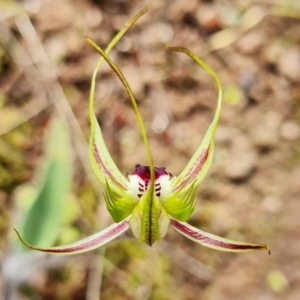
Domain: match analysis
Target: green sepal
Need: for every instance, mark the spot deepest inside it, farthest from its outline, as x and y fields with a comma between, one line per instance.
x=100, y=159
x=213, y=241
x=199, y=164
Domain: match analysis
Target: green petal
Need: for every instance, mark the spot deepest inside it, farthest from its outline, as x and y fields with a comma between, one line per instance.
x=120, y=205
x=199, y=164
x=135, y=223
x=95, y=241
x=101, y=161
x=180, y=206
x=213, y=241
x=164, y=223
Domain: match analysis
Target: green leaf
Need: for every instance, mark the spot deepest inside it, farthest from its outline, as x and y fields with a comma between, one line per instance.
x=43, y=220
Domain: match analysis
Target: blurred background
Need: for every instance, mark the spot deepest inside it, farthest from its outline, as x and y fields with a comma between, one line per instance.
x=47, y=189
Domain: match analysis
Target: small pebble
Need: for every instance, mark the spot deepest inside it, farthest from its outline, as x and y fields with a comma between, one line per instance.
x=289, y=64
x=290, y=130
x=93, y=17
x=251, y=42
x=56, y=15
x=241, y=165
x=272, y=204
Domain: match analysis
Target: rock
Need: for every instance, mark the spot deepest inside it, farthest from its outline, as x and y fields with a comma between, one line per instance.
x=251, y=42
x=289, y=64
x=242, y=159
x=265, y=137
x=160, y=123
x=179, y=8
x=272, y=204
x=55, y=15
x=265, y=133
x=165, y=32
x=290, y=130
x=133, y=77
x=93, y=17
x=225, y=134
x=208, y=18
x=241, y=166
x=272, y=52
x=56, y=48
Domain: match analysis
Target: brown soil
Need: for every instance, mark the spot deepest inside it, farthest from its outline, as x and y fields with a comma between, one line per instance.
x=252, y=190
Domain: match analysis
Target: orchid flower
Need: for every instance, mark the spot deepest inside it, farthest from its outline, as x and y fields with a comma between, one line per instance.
x=149, y=200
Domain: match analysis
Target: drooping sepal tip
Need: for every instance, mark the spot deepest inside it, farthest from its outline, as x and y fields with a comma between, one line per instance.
x=198, y=165
x=213, y=241
x=90, y=243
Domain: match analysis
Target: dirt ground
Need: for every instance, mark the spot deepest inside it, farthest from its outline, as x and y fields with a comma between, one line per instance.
x=252, y=190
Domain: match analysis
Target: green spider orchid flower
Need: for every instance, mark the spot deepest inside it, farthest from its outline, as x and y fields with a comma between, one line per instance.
x=150, y=199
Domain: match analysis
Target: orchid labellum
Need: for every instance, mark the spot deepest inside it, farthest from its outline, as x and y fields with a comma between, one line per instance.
x=150, y=199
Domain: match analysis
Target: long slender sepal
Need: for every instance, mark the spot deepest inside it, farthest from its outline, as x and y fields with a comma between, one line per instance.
x=132, y=99
x=213, y=241
x=148, y=233
x=95, y=241
x=199, y=164
x=101, y=161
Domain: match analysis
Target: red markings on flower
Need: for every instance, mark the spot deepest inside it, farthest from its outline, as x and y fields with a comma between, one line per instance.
x=213, y=241
x=103, y=167
x=194, y=171
x=143, y=172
